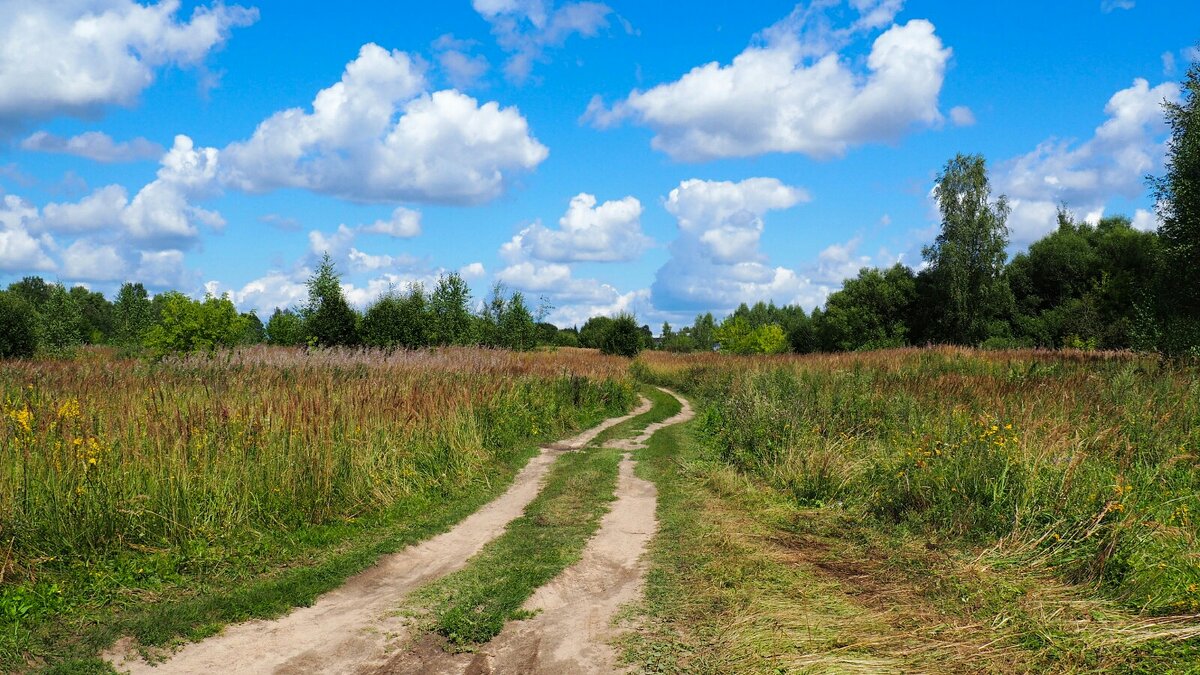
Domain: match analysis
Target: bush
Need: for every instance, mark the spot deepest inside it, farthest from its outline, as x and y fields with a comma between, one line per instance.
x=18, y=335
x=188, y=325
x=623, y=337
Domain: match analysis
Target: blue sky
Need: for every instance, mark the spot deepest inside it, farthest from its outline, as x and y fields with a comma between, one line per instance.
x=654, y=157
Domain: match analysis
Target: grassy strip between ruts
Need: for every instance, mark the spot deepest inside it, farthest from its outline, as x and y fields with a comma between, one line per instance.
x=664, y=406
x=742, y=579
x=302, y=565
x=472, y=605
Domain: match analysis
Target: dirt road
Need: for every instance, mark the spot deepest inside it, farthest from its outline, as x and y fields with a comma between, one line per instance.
x=573, y=627
x=354, y=628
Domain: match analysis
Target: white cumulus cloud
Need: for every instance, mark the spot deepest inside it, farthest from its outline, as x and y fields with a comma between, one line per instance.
x=795, y=93
x=378, y=136
x=609, y=232
x=75, y=57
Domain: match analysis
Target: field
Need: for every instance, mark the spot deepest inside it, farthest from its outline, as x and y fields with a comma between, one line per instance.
x=928, y=510
x=1035, y=506
x=156, y=498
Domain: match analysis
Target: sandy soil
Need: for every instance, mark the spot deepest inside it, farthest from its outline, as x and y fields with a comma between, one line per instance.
x=355, y=627
x=573, y=630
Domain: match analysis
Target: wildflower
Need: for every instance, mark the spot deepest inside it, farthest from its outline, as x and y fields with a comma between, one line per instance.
x=23, y=419
x=69, y=409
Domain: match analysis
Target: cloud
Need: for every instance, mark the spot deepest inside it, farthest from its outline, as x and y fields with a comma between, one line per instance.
x=462, y=68
x=610, y=232
x=962, y=116
x=161, y=214
x=378, y=136
x=474, y=270
x=85, y=260
x=404, y=224
x=76, y=58
x=574, y=300
x=284, y=223
x=164, y=270
x=715, y=261
x=1146, y=221
x=527, y=28
x=365, y=262
x=20, y=250
x=1127, y=146
x=1107, y=6
x=795, y=93
x=94, y=145
x=98, y=211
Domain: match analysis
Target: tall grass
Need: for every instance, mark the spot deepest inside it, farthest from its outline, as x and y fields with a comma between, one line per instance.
x=1085, y=464
x=102, y=455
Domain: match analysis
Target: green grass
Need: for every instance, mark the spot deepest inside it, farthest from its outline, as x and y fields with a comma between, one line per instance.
x=472, y=605
x=805, y=529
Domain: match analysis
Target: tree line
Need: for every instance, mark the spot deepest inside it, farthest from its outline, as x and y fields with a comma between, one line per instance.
x=42, y=318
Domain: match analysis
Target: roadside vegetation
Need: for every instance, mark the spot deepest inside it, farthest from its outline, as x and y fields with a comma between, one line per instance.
x=126, y=484
x=1047, y=496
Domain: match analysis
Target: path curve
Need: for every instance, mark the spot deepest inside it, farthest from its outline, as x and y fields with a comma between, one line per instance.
x=352, y=627
x=573, y=629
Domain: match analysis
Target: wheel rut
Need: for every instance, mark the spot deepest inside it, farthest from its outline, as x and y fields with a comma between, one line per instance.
x=354, y=627
x=572, y=629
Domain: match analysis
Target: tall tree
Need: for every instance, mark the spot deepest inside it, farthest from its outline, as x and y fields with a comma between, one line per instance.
x=450, y=314
x=967, y=258
x=131, y=314
x=330, y=320
x=1177, y=195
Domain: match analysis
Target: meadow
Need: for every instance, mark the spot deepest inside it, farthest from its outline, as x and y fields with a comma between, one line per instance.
x=984, y=482
x=126, y=484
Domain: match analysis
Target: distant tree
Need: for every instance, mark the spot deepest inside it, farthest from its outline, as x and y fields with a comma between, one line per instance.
x=18, y=327
x=966, y=260
x=704, y=332
x=285, y=327
x=567, y=337
x=449, y=309
x=622, y=336
x=593, y=331
x=187, y=325
x=132, y=314
x=33, y=290
x=99, y=319
x=61, y=323
x=328, y=318
x=547, y=333
x=254, y=331
x=870, y=311
x=517, y=329
x=1177, y=196
x=396, y=320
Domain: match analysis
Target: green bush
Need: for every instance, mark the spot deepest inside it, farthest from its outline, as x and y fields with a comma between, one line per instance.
x=18, y=336
x=623, y=337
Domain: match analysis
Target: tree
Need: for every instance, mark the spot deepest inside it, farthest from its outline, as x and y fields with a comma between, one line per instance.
x=593, y=331
x=254, y=331
x=704, y=332
x=99, y=318
x=449, y=312
x=33, y=290
x=18, y=330
x=517, y=329
x=870, y=311
x=622, y=337
x=1177, y=196
x=285, y=327
x=328, y=318
x=131, y=314
x=967, y=258
x=187, y=325
x=396, y=320
x=60, y=323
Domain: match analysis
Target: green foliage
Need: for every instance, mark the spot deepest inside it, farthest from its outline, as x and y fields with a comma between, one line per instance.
x=253, y=332
x=61, y=323
x=736, y=335
x=328, y=318
x=1177, y=195
x=132, y=314
x=285, y=327
x=593, y=331
x=187, y=325
x=517, y=330
x=18, y=327
x=449, y=312
x=396, y=320
x=622, y=337
x=967, y=258
x=870, y=311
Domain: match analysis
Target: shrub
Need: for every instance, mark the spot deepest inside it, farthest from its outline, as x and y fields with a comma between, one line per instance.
x=18, y=337
x=623, y=337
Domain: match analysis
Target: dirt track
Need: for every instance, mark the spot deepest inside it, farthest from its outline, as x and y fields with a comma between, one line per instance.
x=354, y=628
x=572, y=631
